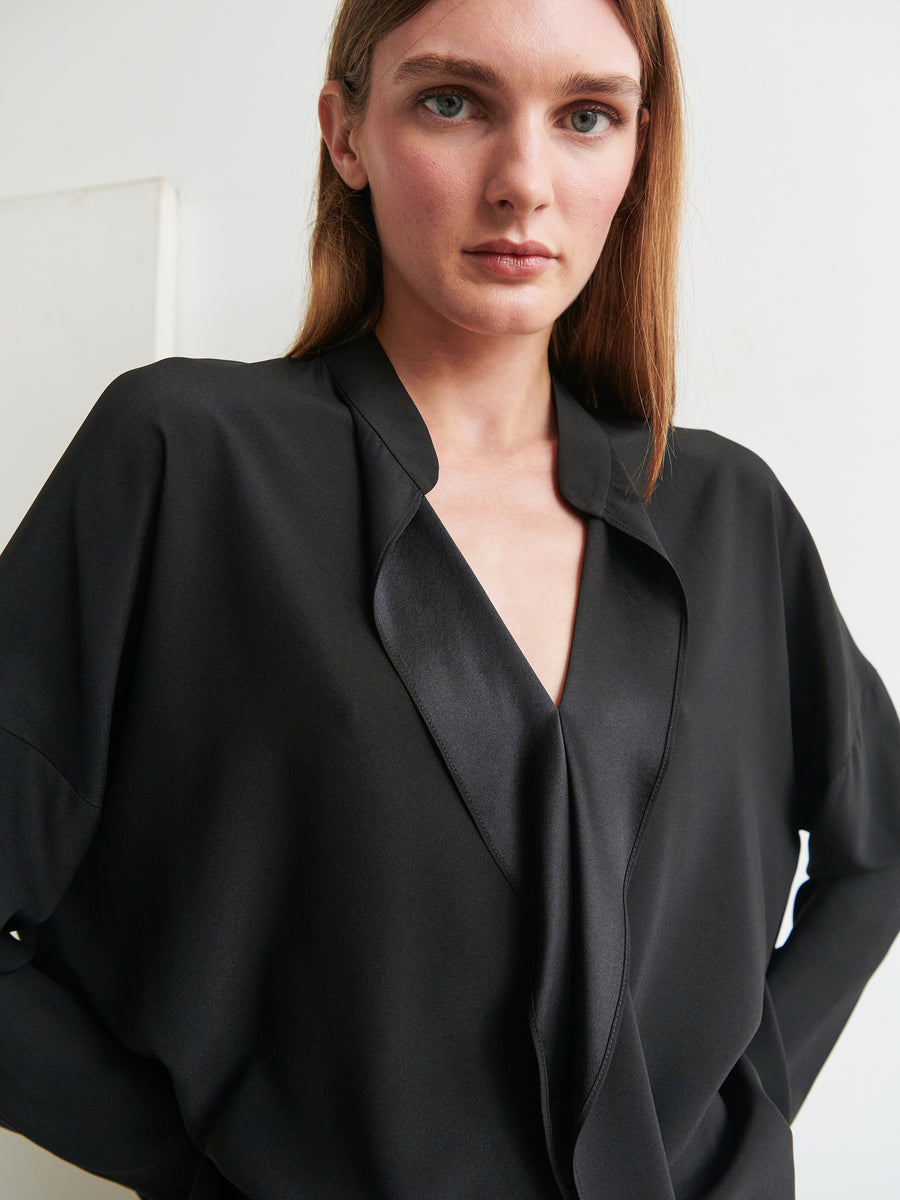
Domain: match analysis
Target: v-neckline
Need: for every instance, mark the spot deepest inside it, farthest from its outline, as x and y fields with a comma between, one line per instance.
x=504, y=634
x=557, y=794
x=560, y=796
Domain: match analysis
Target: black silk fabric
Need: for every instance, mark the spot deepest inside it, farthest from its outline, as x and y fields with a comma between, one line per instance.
x=319, y=895
x=505, y=744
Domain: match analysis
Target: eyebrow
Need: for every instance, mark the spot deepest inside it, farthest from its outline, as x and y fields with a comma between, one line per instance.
x=479, y=72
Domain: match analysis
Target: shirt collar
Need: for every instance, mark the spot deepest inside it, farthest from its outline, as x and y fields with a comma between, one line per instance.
x=366, y=380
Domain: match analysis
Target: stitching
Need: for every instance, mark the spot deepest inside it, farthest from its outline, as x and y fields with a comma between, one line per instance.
x=362, y=416
x=74, y=790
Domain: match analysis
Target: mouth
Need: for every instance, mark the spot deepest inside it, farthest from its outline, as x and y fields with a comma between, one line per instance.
x=512, y=259
x=513, y=249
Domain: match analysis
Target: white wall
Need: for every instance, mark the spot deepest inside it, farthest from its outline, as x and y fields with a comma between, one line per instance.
x=89, y=274
x=790, y=318
x=791, y=312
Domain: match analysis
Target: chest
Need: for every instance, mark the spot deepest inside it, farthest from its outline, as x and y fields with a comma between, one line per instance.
x=525, y=546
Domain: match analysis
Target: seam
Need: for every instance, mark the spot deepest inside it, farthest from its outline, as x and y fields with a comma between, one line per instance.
x=831, y=782
x=638, y=535
x=405, y=674
x=617, y=1018
x=545, y=1100
x=74, y=790
x=865, y=698
x=408, y=513
x=362, y=416
x=457, y=779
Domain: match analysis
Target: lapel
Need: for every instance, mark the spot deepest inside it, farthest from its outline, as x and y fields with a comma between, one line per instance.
x=617, y=712
x=397, y=459
x=560, y=797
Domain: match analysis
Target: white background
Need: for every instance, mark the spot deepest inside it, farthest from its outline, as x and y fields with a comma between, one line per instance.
x=90, y=276
x=790, y=312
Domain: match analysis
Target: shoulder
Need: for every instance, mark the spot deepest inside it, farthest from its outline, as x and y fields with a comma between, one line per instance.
x=707, y=471
x=198, y=418
x=178, y=392
x=701, y=452
x=707, y=482
x=717, y=506
x=188, y=435
x=696, y=461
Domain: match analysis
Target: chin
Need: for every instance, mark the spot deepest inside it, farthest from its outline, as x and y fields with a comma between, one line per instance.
x=501, y=319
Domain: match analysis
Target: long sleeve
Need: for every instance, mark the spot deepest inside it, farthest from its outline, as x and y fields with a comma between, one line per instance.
x=847, y=754
x=70, y=587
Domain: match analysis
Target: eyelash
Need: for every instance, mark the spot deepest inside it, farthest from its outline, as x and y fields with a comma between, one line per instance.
x=615, y=118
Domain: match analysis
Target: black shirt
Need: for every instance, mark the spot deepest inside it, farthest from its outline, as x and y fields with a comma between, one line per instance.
x=318, y=893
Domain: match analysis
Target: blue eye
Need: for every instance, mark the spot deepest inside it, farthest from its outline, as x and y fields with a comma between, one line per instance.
x=447, y=104
x=585, y=120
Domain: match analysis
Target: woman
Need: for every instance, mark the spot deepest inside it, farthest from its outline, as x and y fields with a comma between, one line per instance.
x=403, y=775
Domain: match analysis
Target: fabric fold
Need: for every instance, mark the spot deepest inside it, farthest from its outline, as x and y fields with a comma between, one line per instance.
x=557, y=803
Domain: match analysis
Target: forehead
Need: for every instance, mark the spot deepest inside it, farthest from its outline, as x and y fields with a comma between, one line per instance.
x=529, y=42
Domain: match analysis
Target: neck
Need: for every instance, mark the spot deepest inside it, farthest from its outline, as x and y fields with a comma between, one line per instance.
x=485, y=394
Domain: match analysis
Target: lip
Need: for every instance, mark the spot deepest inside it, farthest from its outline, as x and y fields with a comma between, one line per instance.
x=514, y=249
x=513, y=260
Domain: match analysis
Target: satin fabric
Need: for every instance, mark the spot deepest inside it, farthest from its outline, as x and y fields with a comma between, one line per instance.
x=319, y=894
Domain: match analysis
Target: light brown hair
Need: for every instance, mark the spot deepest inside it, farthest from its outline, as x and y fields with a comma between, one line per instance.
x=615, y=344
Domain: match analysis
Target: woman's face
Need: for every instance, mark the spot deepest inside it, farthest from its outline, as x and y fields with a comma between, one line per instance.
x=498, y=141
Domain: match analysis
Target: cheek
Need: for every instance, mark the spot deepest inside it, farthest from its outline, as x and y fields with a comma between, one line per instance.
x=413, y=193
x=595, y=199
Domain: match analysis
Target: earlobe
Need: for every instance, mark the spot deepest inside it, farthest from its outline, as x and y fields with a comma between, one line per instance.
x=338, y=135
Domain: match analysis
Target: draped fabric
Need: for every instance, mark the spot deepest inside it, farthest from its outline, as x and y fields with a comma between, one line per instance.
x=556, y=820
x=318, y=893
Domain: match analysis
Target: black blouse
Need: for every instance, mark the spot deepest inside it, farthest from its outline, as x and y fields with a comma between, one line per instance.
x=318, y=894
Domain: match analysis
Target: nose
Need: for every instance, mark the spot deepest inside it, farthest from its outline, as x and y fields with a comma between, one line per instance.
x=520, y=172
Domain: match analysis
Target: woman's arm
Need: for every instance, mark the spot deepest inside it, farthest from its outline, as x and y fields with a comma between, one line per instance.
x=67, y=1084
x=847, y=755
x=70, y=589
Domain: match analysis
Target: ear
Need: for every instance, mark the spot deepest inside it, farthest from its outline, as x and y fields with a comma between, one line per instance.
x=340, y=136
